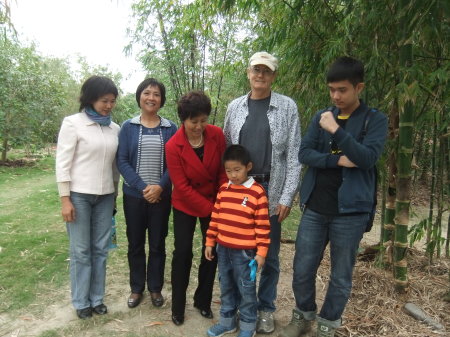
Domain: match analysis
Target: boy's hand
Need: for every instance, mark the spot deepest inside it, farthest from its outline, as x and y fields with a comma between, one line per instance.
x=345, y=162
x=209, y=253
x=328, y=123
x=260, y=261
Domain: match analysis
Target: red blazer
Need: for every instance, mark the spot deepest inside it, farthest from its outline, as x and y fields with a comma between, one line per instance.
x=195, y=183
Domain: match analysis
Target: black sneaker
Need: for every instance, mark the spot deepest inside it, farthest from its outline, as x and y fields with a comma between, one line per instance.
x=84, y=313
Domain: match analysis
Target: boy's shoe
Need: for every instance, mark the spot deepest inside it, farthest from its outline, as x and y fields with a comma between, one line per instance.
x=246, y=333
x=265, y=323
x=218, y=330
x=324, y=330
x=297, y=327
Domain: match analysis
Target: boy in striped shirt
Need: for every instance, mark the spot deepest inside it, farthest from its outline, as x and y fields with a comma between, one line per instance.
x=240, y=228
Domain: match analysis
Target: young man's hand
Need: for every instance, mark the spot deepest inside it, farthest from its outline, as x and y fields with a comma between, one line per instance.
x=345, y=162
x=328, y=123
x=209, y=253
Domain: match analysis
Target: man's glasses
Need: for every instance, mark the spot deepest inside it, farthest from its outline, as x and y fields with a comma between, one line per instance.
x=263, y=71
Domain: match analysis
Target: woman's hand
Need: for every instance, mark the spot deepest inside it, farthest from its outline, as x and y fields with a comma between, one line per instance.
x=152, y=193
x=283, y=212
x=67, y=209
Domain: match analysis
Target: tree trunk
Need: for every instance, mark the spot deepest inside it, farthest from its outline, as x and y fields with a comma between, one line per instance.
x=418, y=147
x=403, y=199
x=5, y=147
x=192, y=59
x=222, y=70
x=172, y=69
x=387, y=239
x=405, y=137
x=430, y=248
x=440, y=170
x=446, y=144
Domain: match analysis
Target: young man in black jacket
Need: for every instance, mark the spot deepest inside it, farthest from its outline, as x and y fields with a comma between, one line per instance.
x=340, y=148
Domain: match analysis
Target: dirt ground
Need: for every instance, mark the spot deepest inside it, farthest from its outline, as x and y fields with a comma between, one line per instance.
x=374, y=308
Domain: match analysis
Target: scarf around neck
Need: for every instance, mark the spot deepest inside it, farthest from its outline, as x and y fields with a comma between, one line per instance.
x=96, y=117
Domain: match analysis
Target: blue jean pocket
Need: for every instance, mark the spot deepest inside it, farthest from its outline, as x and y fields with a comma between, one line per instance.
x=249, y=254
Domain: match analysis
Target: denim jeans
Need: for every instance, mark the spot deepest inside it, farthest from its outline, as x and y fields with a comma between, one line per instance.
x=343, y=232
x=89, y=236
x=237, y=291
x=270, y=273
x=151, y=220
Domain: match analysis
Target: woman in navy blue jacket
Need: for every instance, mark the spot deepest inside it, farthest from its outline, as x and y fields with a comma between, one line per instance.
x=146, y=190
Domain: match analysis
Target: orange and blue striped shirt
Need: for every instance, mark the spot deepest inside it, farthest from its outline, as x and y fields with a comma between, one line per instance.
x=240, y=218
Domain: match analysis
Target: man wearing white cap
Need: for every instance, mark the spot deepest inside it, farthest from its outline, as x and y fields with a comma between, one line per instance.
x=267, y=124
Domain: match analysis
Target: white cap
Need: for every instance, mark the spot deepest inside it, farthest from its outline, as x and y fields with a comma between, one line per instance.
x=265, y=58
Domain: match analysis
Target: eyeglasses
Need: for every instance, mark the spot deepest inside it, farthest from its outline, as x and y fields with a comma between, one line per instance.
x=263, y=71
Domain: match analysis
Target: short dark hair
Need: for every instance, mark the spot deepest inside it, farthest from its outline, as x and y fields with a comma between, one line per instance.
x=346, y=68
x=153, y=82
x=94, y=88
x=238, y=153
x=193, y=104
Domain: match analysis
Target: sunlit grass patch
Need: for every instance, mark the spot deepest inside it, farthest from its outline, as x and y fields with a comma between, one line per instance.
x=33, y=240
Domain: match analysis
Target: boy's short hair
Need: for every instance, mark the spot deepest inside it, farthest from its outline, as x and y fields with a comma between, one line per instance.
x=346, y=68
x=238, y=153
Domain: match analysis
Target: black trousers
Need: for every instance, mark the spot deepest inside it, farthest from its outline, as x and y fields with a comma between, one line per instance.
x=184, y=227
x=144, y=218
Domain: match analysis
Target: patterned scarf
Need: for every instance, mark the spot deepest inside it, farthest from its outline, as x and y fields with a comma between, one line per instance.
x=96, y=117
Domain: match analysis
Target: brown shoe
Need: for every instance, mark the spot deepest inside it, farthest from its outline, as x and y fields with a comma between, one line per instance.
x=134, y=300
x=157, y=299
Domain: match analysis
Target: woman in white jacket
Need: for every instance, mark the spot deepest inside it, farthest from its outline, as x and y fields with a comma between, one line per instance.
x=87, y=180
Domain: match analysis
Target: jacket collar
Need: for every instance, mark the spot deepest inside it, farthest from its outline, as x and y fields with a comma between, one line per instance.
x=274, y=100
x=188, y=153
x=164, y=122
x=358, y=111
x=181, y=138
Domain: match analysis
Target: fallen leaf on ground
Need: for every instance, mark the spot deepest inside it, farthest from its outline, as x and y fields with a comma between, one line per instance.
x=154, y=323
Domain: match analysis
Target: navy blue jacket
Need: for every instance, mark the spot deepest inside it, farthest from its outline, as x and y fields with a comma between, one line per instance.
x=127, y=157
x=356, y=193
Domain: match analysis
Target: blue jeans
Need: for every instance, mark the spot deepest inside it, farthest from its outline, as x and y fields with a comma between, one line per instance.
x=343, y=232
x=270, y=273
x=89, y=236
x=237, y=291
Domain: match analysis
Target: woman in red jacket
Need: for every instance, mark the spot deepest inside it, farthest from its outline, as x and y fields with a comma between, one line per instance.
x=194, y=161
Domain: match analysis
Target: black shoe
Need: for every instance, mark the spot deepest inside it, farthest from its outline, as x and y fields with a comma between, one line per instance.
x=134, y=300
x=178, y=319
x=84, y=313
x=100, y=309
x=207, y=313
x=157, y=299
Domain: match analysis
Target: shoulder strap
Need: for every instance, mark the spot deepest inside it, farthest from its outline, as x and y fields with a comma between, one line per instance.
x=363, y=133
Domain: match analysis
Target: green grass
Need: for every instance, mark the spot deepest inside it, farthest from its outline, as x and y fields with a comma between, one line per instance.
x=34, y=247
x=32, y=236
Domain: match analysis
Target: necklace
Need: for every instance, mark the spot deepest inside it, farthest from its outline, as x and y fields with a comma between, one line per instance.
x=198, y=144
